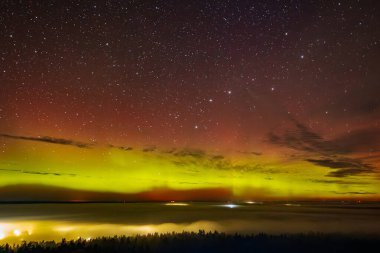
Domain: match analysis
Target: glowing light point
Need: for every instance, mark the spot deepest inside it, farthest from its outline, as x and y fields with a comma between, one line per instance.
x=231, y=205
x=291, y=204
x=17, y=232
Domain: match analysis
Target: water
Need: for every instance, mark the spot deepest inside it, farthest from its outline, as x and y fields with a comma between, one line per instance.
x=36, y=222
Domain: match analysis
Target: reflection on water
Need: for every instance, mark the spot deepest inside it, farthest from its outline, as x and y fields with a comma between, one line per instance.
x=19, y=231
x=36, y=222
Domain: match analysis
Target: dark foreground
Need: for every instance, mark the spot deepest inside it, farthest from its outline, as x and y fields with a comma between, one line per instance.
x=208, y=242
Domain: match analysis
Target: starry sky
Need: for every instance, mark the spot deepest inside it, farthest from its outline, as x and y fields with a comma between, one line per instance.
x=189, y=100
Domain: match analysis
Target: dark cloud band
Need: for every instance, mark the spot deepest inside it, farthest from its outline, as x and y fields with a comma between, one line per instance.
x=330, y=153
x=48, y=139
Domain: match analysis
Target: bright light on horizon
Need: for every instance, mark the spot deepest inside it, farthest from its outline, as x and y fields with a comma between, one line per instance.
x=253, y=202
x=230, y=205
x=176, y=204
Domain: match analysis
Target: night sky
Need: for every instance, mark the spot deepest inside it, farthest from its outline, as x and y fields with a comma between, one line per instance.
x=189, y=100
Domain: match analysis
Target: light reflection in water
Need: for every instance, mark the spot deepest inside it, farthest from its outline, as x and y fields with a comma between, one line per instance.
x=19, y=231
x=54, y=222
x=15, y=232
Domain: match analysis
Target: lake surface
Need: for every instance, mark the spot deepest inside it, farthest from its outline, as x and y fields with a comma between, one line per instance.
x=33, y=222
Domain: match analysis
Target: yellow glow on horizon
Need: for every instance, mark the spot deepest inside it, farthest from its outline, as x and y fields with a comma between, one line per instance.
x=56, y=230
x=176, y=204
x=104, y=169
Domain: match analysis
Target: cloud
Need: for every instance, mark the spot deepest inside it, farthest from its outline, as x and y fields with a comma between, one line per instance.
x=345, y=166
x=217, y=157
x=331, y=153
x=251, y=153
x=338, y=181
x=39, y=172
x=303, y=139
x=48, y=139
x=125, y=148
x=186, y=157
x=169, y=151
x=191, y=152
x=191, y=158
x=149, y=149
x=354, y=193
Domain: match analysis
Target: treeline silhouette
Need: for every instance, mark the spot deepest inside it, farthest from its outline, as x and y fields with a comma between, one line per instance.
x=205, y=242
